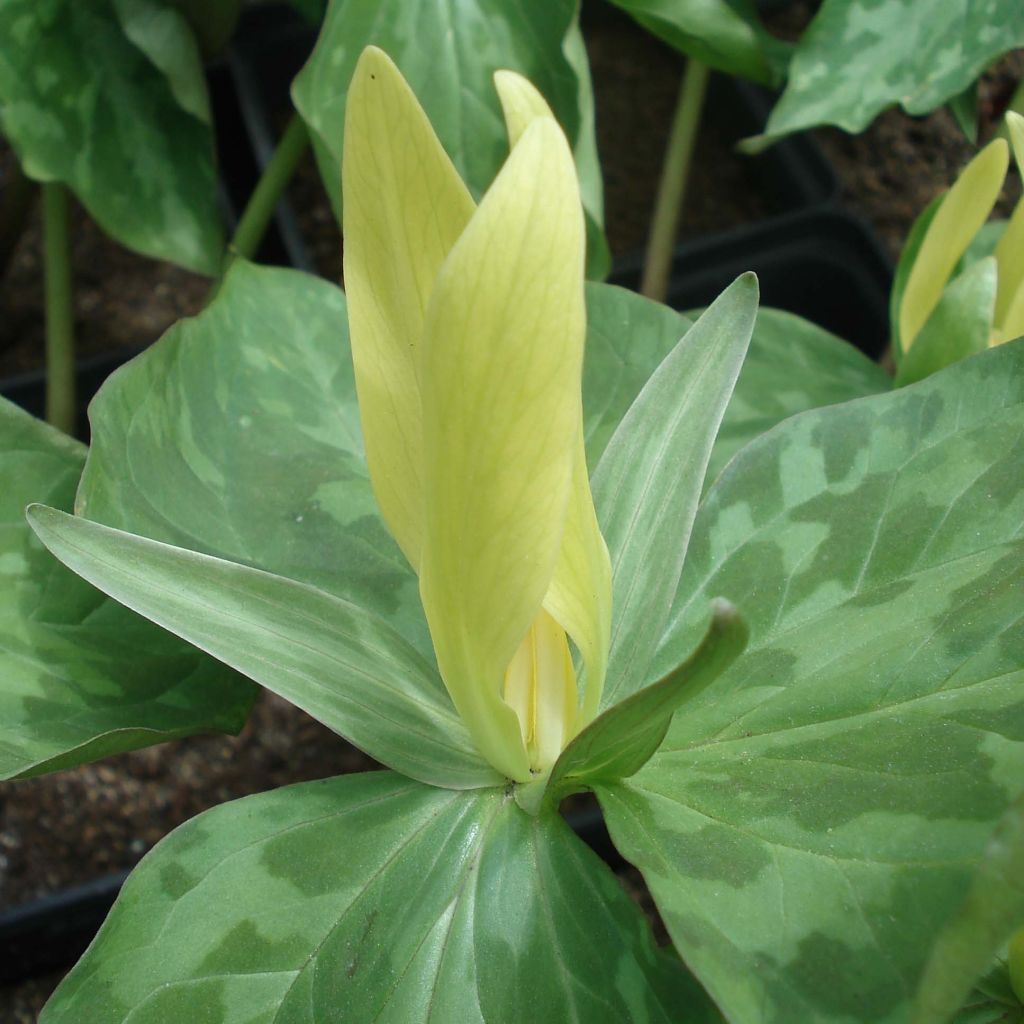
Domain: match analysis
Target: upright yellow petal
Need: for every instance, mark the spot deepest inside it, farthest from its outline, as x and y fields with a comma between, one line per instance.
x=1010, y=250
x=521, y=103
x=501, y=377
x=540, y=686
x=963, y=210
x=405, y=206
x=580, y=596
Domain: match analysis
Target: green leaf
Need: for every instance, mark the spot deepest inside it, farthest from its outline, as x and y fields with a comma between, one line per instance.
x=162, y=33
x=792, y=365
x=237, y=435
x=650, y=477
x=964, y=108
x=620, y=742
x=449, y=61
x=83, y=104
x=992, y=911
x=857, y=58
x=343, y=665
x=813, y=819
x=725, y=34
x=959, y=326
x=981, y=1008
x=627, y=338
x=82, y=678
x=370, y=898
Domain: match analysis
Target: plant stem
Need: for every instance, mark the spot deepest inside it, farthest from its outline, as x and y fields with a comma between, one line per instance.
x=263, y=201
x=674, y=175
x=1016, y=103
x=60, y=340
x=19, y=190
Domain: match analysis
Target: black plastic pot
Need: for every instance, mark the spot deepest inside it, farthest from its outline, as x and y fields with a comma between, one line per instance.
x=825, y=265
x=50, y=934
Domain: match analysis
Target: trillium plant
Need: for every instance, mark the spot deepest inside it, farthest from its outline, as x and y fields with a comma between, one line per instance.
x=518, y=538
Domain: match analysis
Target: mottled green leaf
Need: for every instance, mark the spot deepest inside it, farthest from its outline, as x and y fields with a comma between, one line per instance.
x=83, y=104
x=619, y=742
x=237, y=435
x=992, y=911
x=648, y=482
x=859, y=57
x=725, y=34
x=627, y=337
x=342, y=664
x=80, y=676
x=792, y=365
x=370, y=898
x=449, y=55
x=959, y=326
x=162, y=33
x=813, y=819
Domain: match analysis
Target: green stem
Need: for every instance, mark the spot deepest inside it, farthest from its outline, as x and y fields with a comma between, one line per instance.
x=16, y=204
x=60, y=340
x=1016, y=103
x=263, y=201
x=675, y=173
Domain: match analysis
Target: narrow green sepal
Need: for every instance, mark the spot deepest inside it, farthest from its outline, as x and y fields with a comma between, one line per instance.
x=621, y=741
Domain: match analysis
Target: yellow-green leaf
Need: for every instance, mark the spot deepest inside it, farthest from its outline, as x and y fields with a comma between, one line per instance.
x=405, y=206
x=500, y=384
x=1010, y=249
x=962, y=212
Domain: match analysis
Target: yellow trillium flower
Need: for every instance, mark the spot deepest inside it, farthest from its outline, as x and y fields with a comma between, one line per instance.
x=958, y=218
x=467, y=325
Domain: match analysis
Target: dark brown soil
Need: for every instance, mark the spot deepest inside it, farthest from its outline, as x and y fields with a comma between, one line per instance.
x=63, y=829
x=21, y=1004
x=121, y=299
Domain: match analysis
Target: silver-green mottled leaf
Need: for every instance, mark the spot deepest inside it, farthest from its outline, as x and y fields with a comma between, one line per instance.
x=342, y=664
x=725, y=34
x=81, y=677
x=859, y=57
x=448, y=54
x=648, y=482
x=813, y=819
x=792, y=366
x=992, y=911
x=82, y=104
x=237, y=435
x=370, y=898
